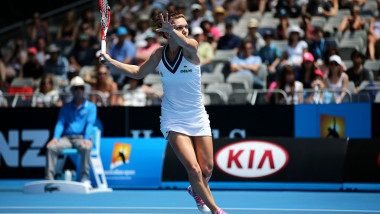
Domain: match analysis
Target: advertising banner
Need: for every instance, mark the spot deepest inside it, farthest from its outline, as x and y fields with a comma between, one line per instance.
x=133, y=163
x=346, y=120
x=270, y=160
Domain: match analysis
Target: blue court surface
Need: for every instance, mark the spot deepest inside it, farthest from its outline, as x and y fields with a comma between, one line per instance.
x=13, y=200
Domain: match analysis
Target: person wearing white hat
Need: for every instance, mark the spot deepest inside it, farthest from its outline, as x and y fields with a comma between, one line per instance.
x=296, y=46
x=75, y=124
x=206, y=51
x=197, y=16
x=336, y=78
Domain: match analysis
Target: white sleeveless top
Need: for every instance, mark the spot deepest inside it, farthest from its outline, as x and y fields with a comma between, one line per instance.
x=337, y=85
x=182, y=108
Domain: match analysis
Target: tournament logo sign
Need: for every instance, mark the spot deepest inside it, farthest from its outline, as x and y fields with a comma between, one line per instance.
x=251, y=159
x=120, y=154
x=332, y=126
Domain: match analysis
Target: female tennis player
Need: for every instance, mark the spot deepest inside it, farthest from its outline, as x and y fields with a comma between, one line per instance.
x=184, y=121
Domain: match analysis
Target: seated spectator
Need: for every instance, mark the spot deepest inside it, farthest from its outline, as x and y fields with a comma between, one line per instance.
x=58, y=65
x=143, y=53
x=229, y=41
x=143, y=28
x=246, y=63
x=92, y=24
x=270, y=55
x=305, y=24
x=292, y=9
x=353, y=22
x=317, y=83
x=106, y=87
x=235, y=9
x=206, y=51
x=374, y=37
x=73, y=129
x=357, y=73
x=319, y=44
x=32, y=67
x=17, y=57
x=89, y=31
x=284, y=24
x=42, y=55
x=134, y=93
x=38, y=28
x=197, y=16
x=208, y=27
x=307, y=70
x=68, y=30
x=257, y=6
x=324, y=65
x=290, y=85
x=82, y=54
x=254, y=37
x=219, y=15
x=7, y=73
x=296, y=46
x=122, y=51
x=46, y=95
x=323, y=7
x=336, y=78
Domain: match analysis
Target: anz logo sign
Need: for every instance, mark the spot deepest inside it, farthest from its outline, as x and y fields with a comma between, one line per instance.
x=10, y=144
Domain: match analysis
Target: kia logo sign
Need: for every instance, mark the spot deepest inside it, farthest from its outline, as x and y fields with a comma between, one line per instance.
x=251, y=159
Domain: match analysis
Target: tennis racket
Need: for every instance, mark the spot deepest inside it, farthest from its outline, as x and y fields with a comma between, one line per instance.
x=105, y=12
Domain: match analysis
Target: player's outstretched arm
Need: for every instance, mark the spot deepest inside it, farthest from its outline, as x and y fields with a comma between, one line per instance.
x=134, y=71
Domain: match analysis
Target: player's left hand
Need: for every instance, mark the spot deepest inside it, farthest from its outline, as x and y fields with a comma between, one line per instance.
x=167, y=25
x=87, y=143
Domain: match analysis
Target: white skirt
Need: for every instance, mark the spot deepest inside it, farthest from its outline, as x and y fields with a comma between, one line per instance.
x=195, y=126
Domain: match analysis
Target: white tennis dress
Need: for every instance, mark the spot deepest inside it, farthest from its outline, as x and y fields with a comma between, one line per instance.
x=182, y=109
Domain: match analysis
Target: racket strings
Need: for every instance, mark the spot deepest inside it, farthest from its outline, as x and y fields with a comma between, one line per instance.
x=104, y=13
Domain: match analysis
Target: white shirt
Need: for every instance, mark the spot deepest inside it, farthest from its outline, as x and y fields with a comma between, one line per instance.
x=295, y=54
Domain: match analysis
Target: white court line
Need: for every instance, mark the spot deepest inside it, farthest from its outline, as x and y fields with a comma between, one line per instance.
x=192, y=208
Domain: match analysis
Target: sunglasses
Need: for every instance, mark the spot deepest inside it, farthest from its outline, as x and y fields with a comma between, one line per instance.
x=75, y=88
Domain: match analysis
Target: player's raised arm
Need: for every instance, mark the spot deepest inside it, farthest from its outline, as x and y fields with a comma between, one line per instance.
x=134, y=71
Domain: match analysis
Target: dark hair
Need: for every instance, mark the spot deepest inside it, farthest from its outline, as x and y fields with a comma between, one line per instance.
x=157, y=20
x=282, y=78
x=357, y=53
x=318, y=29
x=330, y=50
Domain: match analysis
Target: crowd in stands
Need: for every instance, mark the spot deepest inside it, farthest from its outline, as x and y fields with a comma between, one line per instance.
x=299, y=47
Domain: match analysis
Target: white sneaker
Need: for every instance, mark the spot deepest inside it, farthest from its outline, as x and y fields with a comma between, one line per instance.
x=198, y=200
x=87, y=183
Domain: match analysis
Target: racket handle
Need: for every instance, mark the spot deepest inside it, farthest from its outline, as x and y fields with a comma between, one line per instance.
x=102, y=50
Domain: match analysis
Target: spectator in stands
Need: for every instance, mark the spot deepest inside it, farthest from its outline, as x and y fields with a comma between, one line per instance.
x=305, y=24
x=336, y=78
x=206, y=51
x=229, y=41
x=296, y=46
x=143, y=53
x=42, y=55
x=144, y=7
x=38, y=28
x=357, y=73
x=73, y=129
x=323, y=7
x=65, y=94
x=284, y=24
x=219, y=15
x=106, y=87
x=58, y=65
x=143, y=28
x=46, y=95
x=254, y=37
x=197, y=16
x=350, y=3
x=307, y=70
x=374, y=36
x=319, y=44
x=324, y=65
x=7, y=73
x=235, y=8
x=317, y=83
x=86, y=29
x=128, y=21
x=92, y=23
x=290, y=85
x=208, y=27
x=68, y=30
x=134, y=93
x=257, y=6
x=123, y=51
x=32, y=67
x=270, y=55
x=82, y=54
x=246, y=63
x=17, y=57
x=292, y=9
x=353, y=22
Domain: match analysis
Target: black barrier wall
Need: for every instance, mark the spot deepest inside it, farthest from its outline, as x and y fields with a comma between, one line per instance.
x=270, y=160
